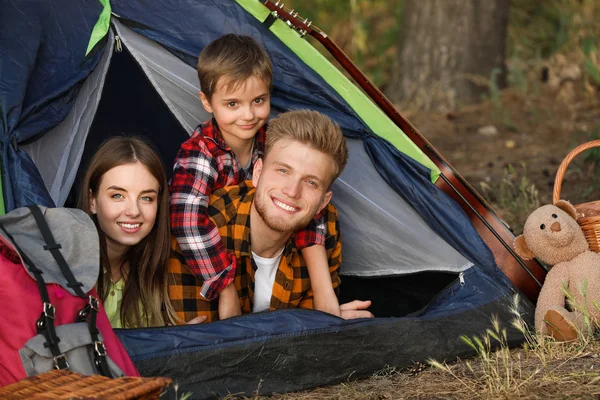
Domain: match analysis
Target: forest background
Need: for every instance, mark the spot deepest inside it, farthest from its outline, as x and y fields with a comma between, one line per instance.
x=521, y=91
x=504, y=89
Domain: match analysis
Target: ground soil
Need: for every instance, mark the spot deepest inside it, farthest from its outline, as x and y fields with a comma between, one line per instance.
x=533, y=135
x=558, y=371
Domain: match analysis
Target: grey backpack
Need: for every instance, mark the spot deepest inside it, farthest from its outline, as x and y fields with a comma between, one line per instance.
x=71, y=261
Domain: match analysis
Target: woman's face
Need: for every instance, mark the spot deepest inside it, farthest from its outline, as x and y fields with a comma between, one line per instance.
x=126, y=205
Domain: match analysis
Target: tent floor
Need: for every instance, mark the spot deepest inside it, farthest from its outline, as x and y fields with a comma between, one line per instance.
x=396, y=296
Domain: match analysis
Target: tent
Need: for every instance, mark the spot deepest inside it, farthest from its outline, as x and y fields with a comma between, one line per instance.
x=418, y=240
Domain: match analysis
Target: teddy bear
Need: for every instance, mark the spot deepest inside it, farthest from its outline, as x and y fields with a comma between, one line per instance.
x=552, y=235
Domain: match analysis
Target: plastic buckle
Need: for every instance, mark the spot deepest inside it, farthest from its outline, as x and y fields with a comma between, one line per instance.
x=48, y=310
x=100, y=349
x=94, y=303
x=60, y=362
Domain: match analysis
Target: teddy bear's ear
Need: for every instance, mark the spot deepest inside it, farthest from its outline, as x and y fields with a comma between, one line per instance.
x=567, y=207
x=522, y=249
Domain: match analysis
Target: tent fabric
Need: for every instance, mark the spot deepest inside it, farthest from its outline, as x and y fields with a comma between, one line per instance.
x=176, y=26
x=373, y=116
x=382, y=234
x=442, y=214
x=291, y=322
x=296, y=86
x=42, y=56
x=174, y=80
x=60, y=150
x=401, y=247
x=56, y=105
x=290, y=350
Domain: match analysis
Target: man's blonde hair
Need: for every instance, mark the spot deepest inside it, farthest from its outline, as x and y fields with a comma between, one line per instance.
x=313, y=129
x=235, y=58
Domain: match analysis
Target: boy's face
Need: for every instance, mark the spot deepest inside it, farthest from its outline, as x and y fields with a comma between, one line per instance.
x=240, y=112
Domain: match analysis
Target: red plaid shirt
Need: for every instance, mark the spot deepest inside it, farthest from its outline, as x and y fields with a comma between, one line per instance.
x=206, y=163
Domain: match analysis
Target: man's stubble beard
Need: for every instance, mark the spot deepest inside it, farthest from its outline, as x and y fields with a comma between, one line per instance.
x=279, y=224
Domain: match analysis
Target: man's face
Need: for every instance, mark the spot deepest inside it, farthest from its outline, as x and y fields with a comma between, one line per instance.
x=291, y=185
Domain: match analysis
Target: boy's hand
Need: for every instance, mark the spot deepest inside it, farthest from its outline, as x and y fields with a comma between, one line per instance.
x=198, y=320
x=229, y=303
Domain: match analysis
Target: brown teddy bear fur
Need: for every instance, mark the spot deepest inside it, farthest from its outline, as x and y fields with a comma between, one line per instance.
x=552, y=235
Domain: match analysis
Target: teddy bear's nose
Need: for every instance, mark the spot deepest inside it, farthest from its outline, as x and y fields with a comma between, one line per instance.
x=555, y=227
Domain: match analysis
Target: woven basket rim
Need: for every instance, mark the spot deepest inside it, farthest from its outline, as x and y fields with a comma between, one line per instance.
x=64, y=382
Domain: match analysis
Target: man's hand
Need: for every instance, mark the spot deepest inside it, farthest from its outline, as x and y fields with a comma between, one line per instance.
x=356, y=309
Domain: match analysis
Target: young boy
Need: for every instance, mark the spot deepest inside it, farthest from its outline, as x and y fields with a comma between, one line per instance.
x=235, y=79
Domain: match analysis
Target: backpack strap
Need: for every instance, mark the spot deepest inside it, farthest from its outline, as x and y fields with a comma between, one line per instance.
x=45, y=324
x=54, y=249
x=90, y=311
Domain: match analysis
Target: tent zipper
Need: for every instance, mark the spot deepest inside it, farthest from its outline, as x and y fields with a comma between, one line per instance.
x=419, y=312
x=118, y=44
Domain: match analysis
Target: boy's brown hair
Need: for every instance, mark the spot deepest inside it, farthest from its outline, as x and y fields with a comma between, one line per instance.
x=312, y=129
x=235, y=58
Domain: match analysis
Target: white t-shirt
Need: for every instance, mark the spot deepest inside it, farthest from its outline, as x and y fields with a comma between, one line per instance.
x=264, y=278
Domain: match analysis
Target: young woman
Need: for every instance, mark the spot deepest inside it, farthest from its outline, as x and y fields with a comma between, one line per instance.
x=125, y=192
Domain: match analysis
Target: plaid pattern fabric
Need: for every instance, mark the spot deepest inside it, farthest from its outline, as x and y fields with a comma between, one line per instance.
x=229, y=209
x=205, y=163
x=184, y=289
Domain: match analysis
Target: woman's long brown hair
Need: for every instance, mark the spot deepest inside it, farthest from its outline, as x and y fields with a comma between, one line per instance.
x=146, y=283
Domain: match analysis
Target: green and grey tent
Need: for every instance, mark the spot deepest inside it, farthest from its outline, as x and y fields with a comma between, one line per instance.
x=418, y=240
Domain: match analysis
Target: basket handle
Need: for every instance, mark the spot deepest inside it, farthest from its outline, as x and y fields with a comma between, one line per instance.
x=560, y=174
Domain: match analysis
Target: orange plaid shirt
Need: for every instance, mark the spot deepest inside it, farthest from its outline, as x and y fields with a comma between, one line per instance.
x=229, y=209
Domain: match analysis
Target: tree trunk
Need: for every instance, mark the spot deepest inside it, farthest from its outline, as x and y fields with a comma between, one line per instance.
x=449, y=50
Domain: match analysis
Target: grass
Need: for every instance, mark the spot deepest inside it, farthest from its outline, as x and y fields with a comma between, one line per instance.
x=541, y=369
x=515, y=195
x=505, y=373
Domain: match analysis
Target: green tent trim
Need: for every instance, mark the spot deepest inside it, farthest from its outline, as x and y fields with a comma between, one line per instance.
x=370, y=113
x=102, y=25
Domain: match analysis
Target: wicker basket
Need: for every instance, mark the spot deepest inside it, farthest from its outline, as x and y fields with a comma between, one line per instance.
x=588, y=214
x=64, y=384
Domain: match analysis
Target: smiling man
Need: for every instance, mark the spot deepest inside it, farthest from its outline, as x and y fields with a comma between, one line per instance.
x=304, y=153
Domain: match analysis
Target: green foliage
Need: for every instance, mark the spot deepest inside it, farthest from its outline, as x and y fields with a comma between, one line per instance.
x=516, y=192
x=184, y=396
x=501, y=115
x=539, y=28
x=590, y=66
x=584, y=166
x=367, y=30
x=517, y=74
x=592, y=156
x=515, y=196
x=495, y=371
